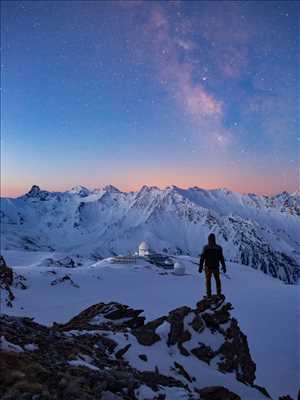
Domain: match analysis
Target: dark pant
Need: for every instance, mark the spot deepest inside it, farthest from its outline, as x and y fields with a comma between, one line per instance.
x=216, y=274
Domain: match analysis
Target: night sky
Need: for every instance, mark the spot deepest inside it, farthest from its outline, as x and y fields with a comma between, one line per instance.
x=159, y=93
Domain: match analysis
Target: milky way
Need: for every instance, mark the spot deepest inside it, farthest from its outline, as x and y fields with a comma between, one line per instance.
x=138, y=92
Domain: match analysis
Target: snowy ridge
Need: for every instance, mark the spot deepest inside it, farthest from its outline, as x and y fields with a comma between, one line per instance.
x=259, y=231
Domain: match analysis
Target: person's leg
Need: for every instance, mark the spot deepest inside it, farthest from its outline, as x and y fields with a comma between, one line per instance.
x=208, y=282
x=218, y=281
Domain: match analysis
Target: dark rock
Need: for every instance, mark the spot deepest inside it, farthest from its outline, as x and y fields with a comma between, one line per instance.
x=113, y=316
x=223, y=315
x=110, y=396
x=48, y=373
x=6, y=281
x=217, y=393
x=154, y=380
x=34, y=191
x=198, y=324
x=182, y=371
x=264, y=391
x=143, y=357
x=146, y=334
x=65, y=278
x=210, y=321
x=236, y=355
x=183, y=350
x=204, y=353
x=203, y=304
x=146, y=337
x=177, y=332
x=121, y=352
x=6, y=273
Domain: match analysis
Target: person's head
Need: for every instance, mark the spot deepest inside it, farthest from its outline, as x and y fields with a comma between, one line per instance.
x=211, y=239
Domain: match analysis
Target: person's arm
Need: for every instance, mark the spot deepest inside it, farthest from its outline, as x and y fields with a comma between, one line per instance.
x=202, y=258
x=222, y=260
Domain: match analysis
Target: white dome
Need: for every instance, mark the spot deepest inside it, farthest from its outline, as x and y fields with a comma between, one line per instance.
x=144, y=249
x=179, y=268
x=144, y=246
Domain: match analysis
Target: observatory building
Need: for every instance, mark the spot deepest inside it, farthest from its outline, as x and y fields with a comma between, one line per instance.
x=144, y=249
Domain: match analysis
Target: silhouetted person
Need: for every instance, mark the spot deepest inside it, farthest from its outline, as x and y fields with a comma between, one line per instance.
x=212, y=255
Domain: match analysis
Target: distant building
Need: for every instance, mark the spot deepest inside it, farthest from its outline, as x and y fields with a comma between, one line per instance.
x=144, y=249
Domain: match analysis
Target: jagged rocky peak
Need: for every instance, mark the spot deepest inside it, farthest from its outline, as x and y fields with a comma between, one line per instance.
x=111, y=189
x=173, y=188
x=283, y=194
x=81, y=191
x=34, y=191
x=225, y=191
x=147, y=192
x=147, y=189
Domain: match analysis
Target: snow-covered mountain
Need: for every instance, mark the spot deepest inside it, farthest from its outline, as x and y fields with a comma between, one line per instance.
x=260, y=231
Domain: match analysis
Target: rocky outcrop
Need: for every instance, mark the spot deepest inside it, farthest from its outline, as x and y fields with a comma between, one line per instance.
x=112, y=316
x=213, y=315
x=109, y=352
x=8, y=280
x=217, y=393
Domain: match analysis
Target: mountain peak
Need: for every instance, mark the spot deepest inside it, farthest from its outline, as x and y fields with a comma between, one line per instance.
x=173, y=188
x=82, y=191
x=34, y=191
x=111, y=189
x=283, y=194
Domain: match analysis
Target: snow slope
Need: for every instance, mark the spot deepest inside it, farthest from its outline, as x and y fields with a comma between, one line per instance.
x=268, y=311
x=260, y=231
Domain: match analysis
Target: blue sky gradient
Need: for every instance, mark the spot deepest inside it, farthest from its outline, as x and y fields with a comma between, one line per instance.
x=131, y=93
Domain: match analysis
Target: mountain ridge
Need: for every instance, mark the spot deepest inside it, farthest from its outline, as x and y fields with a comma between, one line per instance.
x=258, y=231
x=107, y=186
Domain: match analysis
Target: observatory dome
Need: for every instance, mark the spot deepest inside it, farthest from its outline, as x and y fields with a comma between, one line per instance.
x=144, y=249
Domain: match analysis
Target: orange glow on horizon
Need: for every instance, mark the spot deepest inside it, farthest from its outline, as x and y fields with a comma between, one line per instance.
x=246, y=186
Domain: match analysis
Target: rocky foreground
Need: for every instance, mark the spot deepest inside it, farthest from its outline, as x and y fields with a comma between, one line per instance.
x=109, y=352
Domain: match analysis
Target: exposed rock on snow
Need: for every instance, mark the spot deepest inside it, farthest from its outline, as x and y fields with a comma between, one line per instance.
x=81, y=191
x=217, y=393
x=112, y=316
x=99, y=354
x=66, y=262
x=63, y=279
x=8, y=280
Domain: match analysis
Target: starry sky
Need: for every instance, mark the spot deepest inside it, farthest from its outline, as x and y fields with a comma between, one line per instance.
x=150, y=92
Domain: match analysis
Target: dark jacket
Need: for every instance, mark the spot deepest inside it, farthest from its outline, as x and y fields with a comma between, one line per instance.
x=211, y=256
